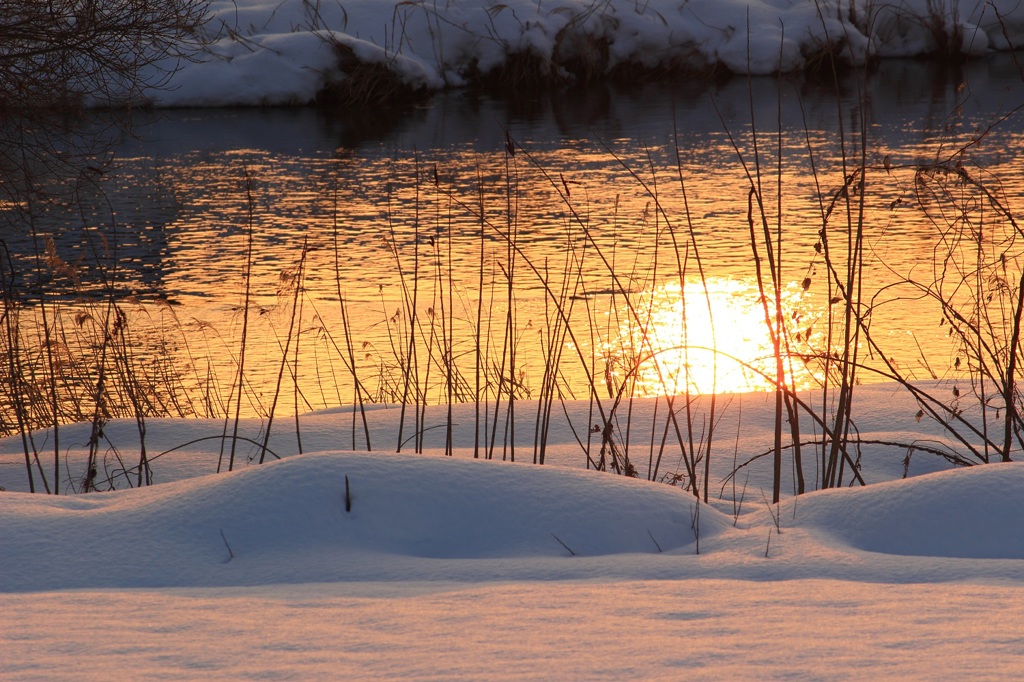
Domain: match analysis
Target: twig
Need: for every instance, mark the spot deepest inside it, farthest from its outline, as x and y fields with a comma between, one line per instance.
x=695, y=523
x=567, y=548
x=231, y=555
x=775, y=516
x=653, y=540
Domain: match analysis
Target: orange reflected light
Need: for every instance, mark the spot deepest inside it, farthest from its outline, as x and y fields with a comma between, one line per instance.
x=710, y=339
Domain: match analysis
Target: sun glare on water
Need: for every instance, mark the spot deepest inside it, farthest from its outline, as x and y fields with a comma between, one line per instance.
x=710, y=339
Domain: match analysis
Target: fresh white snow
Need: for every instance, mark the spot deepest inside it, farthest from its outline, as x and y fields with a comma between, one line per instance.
x=455, y=568
x=266, y=52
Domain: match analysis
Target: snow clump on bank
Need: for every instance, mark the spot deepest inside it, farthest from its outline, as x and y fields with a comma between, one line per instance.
x=282, y=52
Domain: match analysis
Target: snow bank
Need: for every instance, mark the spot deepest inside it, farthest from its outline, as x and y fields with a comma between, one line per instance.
x=430, y=518
x=452, y=568
x=287, y=51
x=967, y=513
x=286, y=522
x=435, y=518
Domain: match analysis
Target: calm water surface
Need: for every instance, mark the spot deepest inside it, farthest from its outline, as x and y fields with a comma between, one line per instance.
x=644, y=192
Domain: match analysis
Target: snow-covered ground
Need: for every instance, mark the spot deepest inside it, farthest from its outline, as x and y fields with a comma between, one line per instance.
x=286, y=51
x=455, y=568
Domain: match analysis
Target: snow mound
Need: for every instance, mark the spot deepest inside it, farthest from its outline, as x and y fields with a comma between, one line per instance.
x=286, y=522
x=964, y=513
x=289, y=51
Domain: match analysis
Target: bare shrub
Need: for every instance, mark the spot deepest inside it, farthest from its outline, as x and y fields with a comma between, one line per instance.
x=62, y=52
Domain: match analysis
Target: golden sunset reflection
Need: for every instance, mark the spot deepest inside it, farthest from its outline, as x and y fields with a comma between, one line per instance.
x=430, y=266
x=712, y=338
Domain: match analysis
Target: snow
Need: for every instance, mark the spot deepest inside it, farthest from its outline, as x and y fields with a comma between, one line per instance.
x=278, y=52
x=462, y=568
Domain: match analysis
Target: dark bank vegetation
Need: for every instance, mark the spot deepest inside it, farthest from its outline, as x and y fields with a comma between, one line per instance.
x=69, y=53
x=58, y=58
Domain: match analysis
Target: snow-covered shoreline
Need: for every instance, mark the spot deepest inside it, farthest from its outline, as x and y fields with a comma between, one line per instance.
x=451, y=568
x=282, y=52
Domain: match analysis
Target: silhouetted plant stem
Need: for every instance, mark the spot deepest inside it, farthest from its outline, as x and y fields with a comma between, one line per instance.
x=296, y=281
x=247, y=278
x=478, y=356
x=48, y=341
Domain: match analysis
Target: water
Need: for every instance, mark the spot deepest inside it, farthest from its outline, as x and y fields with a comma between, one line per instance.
x=605, y=189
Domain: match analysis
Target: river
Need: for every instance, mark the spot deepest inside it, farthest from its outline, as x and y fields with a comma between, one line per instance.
x=542, y=244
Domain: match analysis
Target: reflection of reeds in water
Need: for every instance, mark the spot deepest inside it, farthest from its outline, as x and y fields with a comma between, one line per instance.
x=621, y=308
